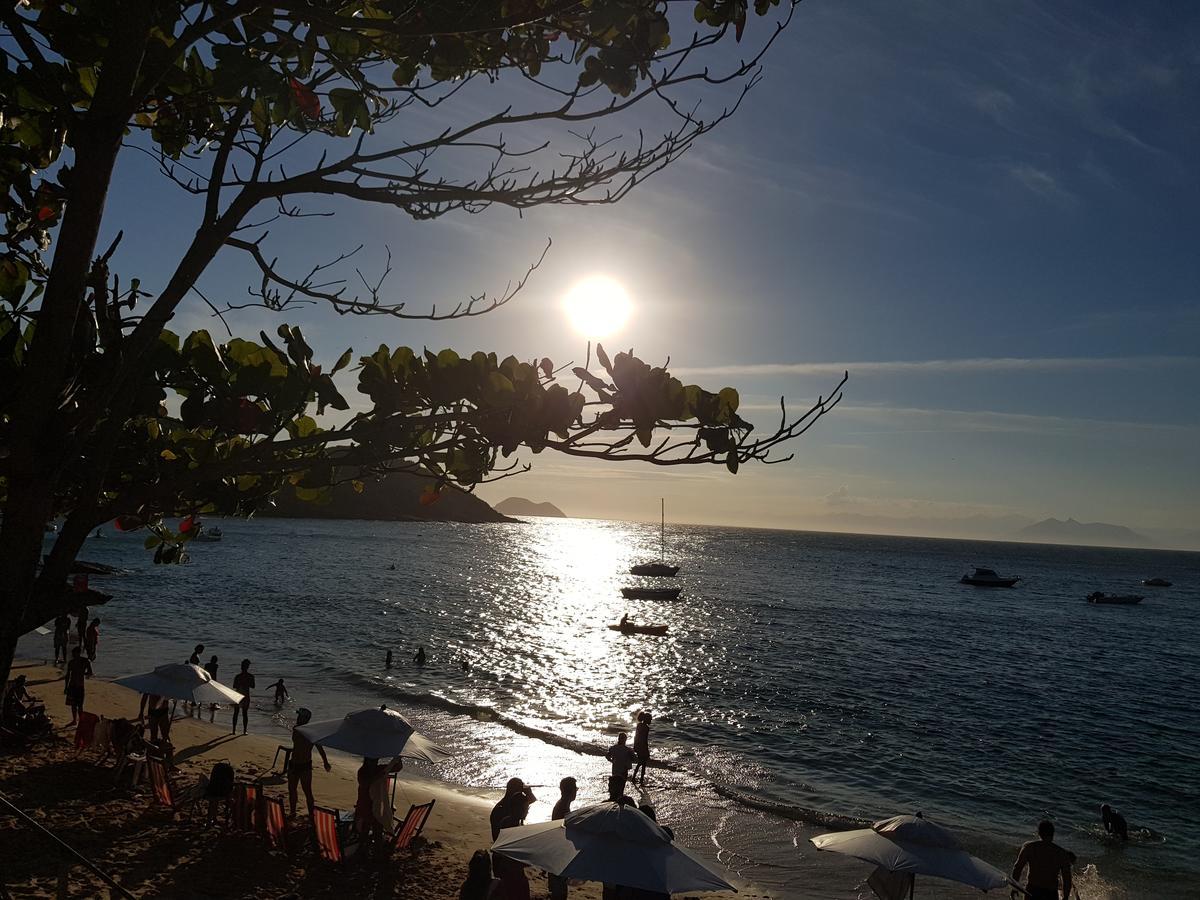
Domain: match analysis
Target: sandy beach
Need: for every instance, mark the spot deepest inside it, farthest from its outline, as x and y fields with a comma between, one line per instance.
x=153, y=854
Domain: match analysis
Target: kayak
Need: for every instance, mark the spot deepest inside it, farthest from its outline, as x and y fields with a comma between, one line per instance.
x=631, y=628
x=1101, y=597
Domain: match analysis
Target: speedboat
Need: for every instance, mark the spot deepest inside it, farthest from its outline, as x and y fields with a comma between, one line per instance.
x=1156, y=582
x=636, y=593
x=988, y=578
x=1126, y=600
x=634, y=628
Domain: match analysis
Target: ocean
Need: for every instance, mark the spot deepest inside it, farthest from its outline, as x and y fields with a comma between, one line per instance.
x=808, y=681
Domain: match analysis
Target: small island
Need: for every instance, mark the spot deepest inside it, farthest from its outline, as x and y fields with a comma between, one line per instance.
x=519, y=506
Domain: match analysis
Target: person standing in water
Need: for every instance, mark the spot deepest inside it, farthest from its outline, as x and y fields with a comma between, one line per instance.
x=1046, y=861
x=1114, y=822
x=281, y=692
x=420, y=658
x=301, y=766
x=387, y=660
x=622, y=760
x=243, y=683
x=641, y=745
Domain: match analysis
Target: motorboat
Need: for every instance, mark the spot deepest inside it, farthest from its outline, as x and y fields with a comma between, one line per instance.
x=988, y=578
x=658, y=569
x=208, y=535
x=1156, y=582
x=634, y=628
x=638, y=593
x=1125, y=600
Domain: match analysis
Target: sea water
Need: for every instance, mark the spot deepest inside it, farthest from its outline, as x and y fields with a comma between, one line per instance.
x=808, y=681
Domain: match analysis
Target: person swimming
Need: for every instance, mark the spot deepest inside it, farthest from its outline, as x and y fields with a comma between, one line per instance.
x=420, y=658
x=1114, y=822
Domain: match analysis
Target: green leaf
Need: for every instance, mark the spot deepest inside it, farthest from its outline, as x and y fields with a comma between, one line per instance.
x=731, y=462
x=343, y=361
x=151, y=541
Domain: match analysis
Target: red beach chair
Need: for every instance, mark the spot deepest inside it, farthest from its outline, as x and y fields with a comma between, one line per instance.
x=275, y=823
x=164, y=790
x=411, y=825
x=243, y=806
x=329, y=840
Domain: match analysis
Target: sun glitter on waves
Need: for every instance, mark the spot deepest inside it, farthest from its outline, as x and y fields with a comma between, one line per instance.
x=598, y=306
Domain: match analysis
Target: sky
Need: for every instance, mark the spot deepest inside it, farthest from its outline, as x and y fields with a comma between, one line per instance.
x=988, y=213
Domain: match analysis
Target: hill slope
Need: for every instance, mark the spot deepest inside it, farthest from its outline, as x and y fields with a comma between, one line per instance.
x=519, y=506
x=1057, y=531
x=393, y=499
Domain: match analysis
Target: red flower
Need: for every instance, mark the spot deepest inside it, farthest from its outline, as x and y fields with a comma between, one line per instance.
x=310, y=104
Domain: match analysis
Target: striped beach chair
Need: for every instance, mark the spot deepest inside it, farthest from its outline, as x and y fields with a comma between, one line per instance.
x=410, y=826
x=164, y=791
x=274, y=823
x=243, y=806
x=326, y=827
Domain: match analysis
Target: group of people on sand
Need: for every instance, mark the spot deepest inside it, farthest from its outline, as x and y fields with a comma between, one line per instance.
x=87, y=636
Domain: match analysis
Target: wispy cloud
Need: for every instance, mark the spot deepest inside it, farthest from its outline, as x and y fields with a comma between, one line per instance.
x=1040, y=182
x=945, y=366
x=959, y=420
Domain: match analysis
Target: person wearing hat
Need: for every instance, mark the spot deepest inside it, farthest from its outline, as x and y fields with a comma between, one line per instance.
x=301, y=765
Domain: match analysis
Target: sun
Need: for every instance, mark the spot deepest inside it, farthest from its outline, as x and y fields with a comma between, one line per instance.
x=597, y=306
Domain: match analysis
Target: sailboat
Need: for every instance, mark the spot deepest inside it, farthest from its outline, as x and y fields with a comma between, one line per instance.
x=659, y=569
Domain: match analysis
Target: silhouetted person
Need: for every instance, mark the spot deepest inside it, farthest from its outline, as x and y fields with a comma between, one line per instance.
x=622, y=760
x=281, y=692
x=641, y=745
x=81, y=624
x=420, y=658
x=243, y=682
x=1114, y=822
x=480, y=885
x=1046, y=861
x=62, y=627
x=211, y=668
x=514, y=804
x=624, y=620
x=73, y=682
x=194, y=659
x=510, y=812
x=387, y=660
x=301, y=765
x=568, y=790
x=466, y=665
x=91, y=639
x=373, y=800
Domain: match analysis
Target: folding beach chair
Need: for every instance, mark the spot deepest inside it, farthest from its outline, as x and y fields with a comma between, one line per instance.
x=274, y=823
x=410, y=826
x=164, y=791
x=243, y=806
x=326, y=826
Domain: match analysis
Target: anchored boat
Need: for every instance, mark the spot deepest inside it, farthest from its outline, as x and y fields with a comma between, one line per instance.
x=989, y=578
x=1126, y=600
x=658, y=569
x=636, y=593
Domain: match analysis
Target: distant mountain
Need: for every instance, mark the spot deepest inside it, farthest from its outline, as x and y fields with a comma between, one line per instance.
x=392, y=499
x=519, y=506
x=1057, y=531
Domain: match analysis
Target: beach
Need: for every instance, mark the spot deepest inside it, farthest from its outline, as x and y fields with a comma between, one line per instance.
x=823, y=682
x=153, y=854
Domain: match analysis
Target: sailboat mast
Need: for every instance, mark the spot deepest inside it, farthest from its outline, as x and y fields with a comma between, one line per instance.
x=662, y=529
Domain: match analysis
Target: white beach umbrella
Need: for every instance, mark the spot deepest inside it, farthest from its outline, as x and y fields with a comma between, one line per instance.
x=613, y=844
x=915, y=846
x=377, y=732
x=181, y=681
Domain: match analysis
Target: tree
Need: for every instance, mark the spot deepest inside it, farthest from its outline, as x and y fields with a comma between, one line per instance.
x=248, y=107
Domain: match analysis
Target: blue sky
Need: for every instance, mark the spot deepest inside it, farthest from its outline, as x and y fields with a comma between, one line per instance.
x=988, y=212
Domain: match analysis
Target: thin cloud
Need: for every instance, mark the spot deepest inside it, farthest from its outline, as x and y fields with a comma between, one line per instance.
x=1040, y=182
x=945, y=366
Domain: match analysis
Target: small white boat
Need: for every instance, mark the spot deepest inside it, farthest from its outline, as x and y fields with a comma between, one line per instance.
x=208, y=535
x=658, y=569
x=988, y=578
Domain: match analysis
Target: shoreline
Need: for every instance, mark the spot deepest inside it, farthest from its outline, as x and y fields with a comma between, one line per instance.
x=457, y=827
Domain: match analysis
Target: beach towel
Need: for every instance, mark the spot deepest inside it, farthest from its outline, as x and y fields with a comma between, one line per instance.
x=86, y=729
x=381, y=801
x=890, y=885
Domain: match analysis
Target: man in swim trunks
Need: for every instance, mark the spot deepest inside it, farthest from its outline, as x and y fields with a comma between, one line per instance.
x=1046, y=861
x=300, y=767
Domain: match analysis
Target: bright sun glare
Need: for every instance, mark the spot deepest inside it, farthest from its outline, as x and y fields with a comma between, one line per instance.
x=597, y=307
